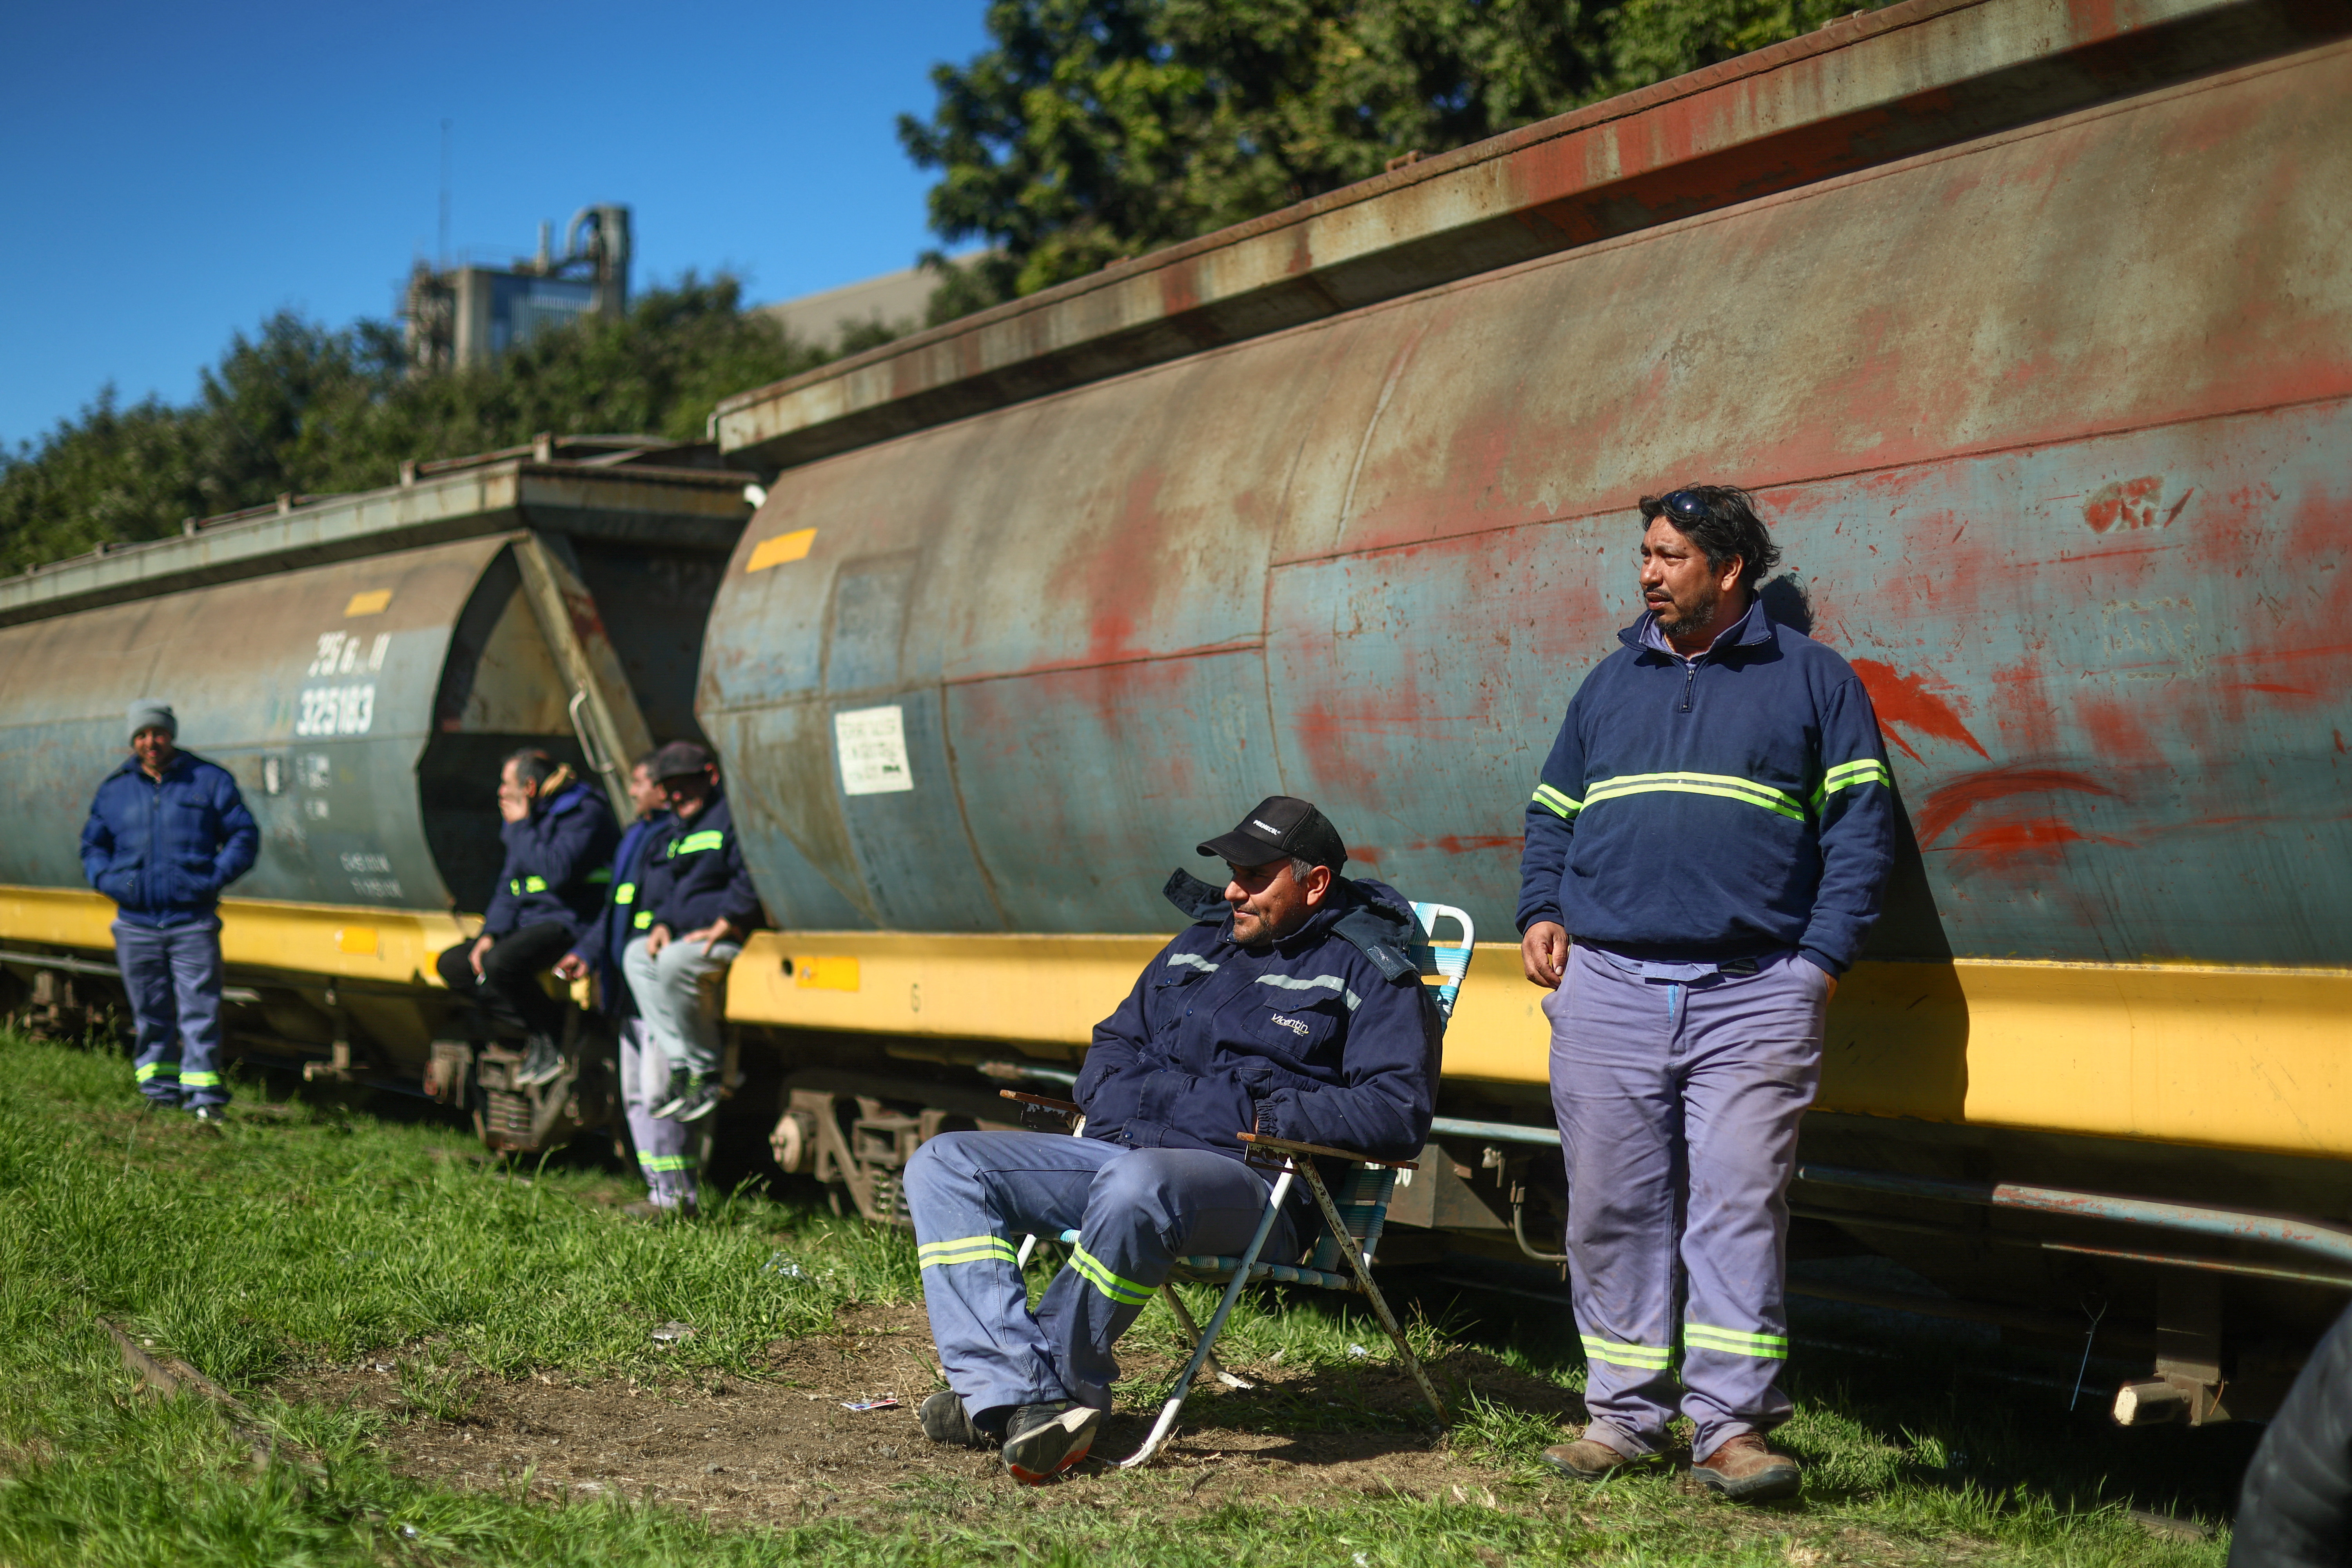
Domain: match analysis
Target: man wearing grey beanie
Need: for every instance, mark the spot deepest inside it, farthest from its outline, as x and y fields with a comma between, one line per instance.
x=166, y=833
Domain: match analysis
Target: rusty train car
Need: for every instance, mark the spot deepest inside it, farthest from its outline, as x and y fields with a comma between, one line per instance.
x=361, y=664
x=2030, y=321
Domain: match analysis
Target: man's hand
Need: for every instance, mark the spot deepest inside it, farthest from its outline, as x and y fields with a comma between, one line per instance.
x=711, y=935
x=1828, y=976
x=571, y=966
x=514, y=804
x=655, y=940
x=481, y=946
x=1543, y=954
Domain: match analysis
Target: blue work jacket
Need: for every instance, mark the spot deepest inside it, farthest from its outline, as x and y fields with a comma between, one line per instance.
x=162, y=850
x=1325, y=1036
x=604, y=940
x=1716, y=807
x=558, y=862
x=695, y=873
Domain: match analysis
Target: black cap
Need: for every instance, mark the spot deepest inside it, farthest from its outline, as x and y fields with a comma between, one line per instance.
x=680, y=758
x=1281, y=827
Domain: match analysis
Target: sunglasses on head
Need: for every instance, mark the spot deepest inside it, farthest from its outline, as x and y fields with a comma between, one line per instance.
x=1684, y=506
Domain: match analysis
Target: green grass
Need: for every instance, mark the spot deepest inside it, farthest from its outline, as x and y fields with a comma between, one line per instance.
x=307, y=1236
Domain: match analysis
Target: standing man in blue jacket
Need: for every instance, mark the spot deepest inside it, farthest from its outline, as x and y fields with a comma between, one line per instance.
x=1288, y=1007
x=699, y=905
x=559, y=834
x=166, y=833
x=662, y=1151
x=1713, y=826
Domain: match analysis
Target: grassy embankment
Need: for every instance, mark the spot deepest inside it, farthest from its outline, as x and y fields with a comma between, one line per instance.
x=306, y=1237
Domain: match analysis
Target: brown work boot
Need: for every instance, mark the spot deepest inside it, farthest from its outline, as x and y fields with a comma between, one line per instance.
x=1586, y=1459
x=1744, y=1470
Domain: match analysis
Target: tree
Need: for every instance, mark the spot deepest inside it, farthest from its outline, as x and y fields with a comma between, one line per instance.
x=1095, y=130
x=303, y=408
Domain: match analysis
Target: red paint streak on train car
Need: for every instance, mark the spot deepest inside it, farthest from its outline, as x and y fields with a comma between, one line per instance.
x=1956, y=799
x=1900, y=699
x=2013, y=842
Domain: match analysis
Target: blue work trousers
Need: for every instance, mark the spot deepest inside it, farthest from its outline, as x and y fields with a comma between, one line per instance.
x=974, y=1195
x=174, y=977
x=1678, y=1090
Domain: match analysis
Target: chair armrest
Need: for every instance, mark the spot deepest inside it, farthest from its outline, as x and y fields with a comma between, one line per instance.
x=1062, y=1107
x=1316, y=1151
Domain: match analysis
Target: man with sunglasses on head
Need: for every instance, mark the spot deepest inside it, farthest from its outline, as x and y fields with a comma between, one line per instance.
x=1714, y=825
x=1288, y=1007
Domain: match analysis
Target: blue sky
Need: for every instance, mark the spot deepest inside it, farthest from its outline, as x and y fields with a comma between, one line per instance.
x=176, y=173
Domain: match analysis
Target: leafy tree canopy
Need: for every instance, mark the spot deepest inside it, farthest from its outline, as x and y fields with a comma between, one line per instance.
x=1095, y=130
x=300, y=408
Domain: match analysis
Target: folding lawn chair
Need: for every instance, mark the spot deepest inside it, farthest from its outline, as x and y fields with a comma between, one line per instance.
x=1352, y=1216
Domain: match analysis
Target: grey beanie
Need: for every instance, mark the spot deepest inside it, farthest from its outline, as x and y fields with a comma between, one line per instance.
x=149, y=714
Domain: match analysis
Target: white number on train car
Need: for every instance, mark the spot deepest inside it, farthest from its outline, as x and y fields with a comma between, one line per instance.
x=339, y=654
x=336, y=710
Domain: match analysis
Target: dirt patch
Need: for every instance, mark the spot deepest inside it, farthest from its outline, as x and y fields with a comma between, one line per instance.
x=782, y=1448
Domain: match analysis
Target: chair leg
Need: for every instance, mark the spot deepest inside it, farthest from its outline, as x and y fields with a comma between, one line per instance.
x=1192, y=1331
x=1363, y=1273
x=1167, y=1411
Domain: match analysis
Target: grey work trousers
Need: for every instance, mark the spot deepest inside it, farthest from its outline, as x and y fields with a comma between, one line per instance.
x=677, y=992
x=664, y=1149
x=1678, y=1101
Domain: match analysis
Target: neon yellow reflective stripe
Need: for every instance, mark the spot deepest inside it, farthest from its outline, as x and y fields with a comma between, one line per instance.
x=1732, y=1342
x=601, y=873
x=965, y=1249
x=626, y=893
x=1554, y=801
x=534, y=884
x=665, y=1162
x=1643, y=1358
x=156, y=1070
x=1126, y=1292
x=199, y=1081
x=1721, y=785
x=645, y=920
x=1845, y=776
x=696, y=843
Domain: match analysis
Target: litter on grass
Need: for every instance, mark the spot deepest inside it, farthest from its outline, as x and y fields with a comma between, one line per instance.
x=885, y=1401
x=782, y=1268
x=672, y=1332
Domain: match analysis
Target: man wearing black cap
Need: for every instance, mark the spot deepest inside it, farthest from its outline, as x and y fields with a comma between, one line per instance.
x=695, y=906
x=1288, y=1007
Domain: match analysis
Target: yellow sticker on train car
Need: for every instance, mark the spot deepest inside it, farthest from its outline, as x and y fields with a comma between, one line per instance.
x=374, y=602
x=358, y=939
x=782, y=548
x=825, y=973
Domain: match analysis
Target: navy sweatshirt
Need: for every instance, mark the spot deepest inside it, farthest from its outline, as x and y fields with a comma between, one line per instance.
x=559, y=860
x=1325, y=1036
x=162, y=850
x=621, y=921
x=694, y=873
x=1731, y=804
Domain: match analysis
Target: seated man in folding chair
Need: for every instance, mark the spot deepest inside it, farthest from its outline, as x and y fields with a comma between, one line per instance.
x=1287, y=1008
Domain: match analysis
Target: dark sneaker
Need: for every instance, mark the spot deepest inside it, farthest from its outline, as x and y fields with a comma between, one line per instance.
x=1042, y=1440
x=945, y=1420
x=210, y=1115
x=1744, y=1470
x=697, y=1098
x=542, y=1062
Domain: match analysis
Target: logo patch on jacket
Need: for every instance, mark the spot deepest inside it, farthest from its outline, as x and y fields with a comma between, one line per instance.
x=1296, y=1027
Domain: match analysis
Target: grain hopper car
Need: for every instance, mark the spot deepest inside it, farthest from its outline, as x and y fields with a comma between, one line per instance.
x=2030, y=323
x=361, y=664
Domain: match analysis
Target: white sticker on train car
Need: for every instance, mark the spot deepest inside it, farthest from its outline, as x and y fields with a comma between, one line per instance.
x=336, y=710
x=872, y=746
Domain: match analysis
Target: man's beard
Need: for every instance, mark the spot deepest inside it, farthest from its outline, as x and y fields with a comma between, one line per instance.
x=1674, y=621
